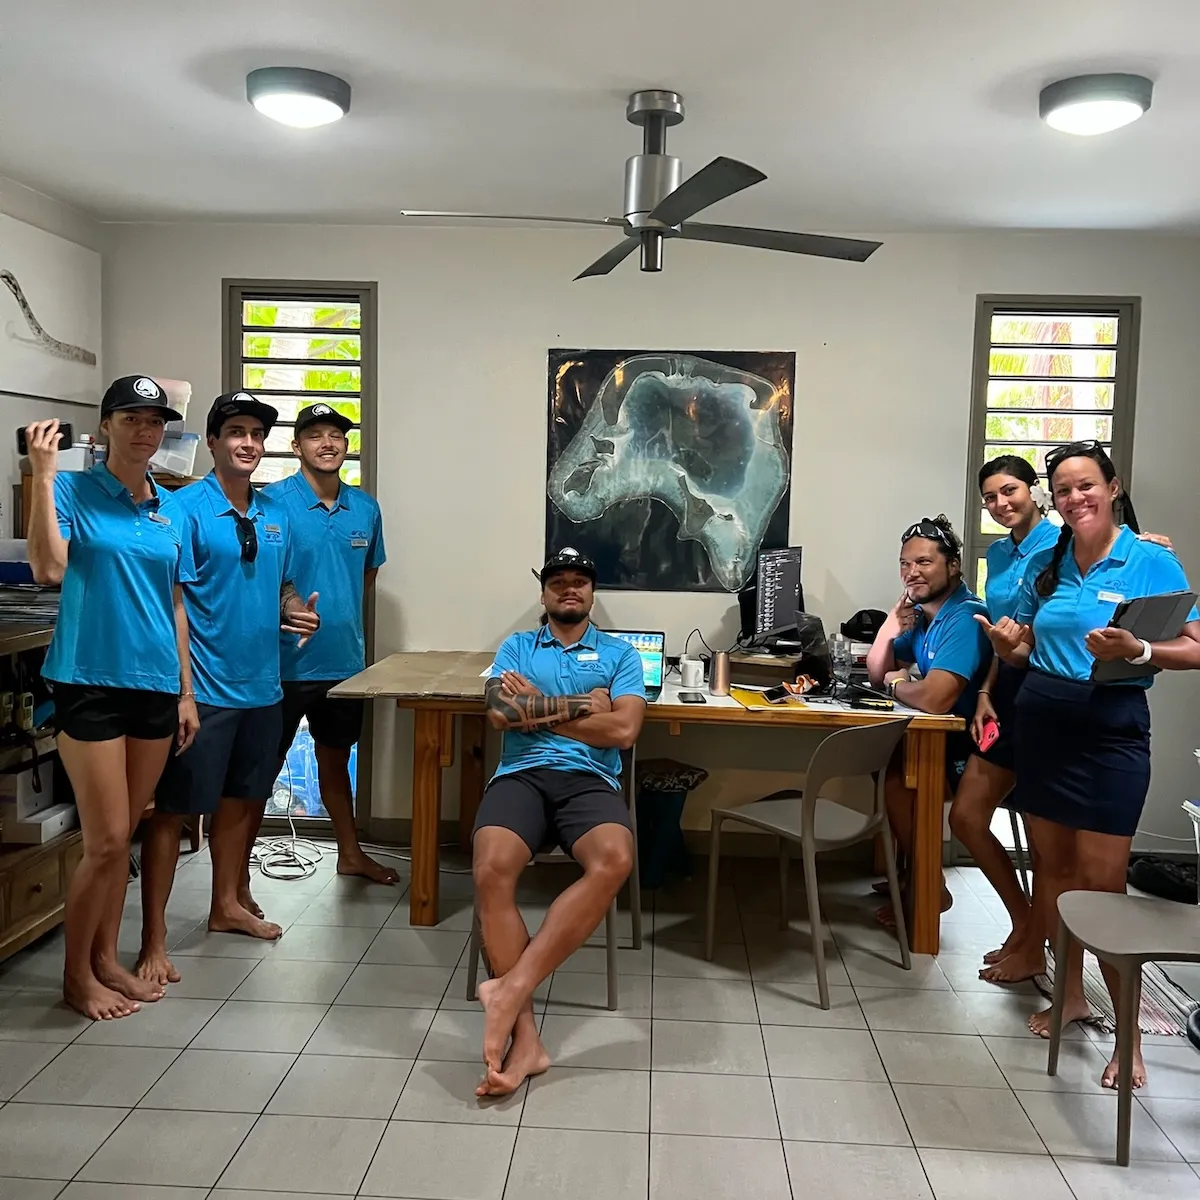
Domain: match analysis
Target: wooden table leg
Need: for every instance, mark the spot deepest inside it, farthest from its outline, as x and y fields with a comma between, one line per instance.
x=470, y=791
x=426, y=815
x=929, y=750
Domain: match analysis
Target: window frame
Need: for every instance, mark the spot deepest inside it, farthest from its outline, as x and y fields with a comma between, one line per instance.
x=1128, y=311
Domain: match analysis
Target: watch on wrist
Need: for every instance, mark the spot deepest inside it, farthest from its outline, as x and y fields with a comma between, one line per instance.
x=1144, y=657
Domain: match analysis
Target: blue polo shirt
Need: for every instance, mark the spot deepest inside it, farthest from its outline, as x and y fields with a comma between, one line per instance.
x=597, y=660
x=116, y=615
x=232, y=605
x=1007, y=562
x=332, y=550
x=953, y=641
x=1081, y=603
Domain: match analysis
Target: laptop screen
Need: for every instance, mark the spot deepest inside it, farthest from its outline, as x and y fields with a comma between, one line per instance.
x=651, y=648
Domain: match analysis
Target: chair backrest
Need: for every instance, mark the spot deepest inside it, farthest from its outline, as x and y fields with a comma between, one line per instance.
x=860, y=750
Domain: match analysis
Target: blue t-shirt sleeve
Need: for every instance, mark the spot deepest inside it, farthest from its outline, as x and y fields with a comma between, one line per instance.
x=64, y=502
x=963, y=647
x=508, y=658
x=903, y=650
x=185, y=569
x=1166, y=574
x=628, y=677
x=376, y=554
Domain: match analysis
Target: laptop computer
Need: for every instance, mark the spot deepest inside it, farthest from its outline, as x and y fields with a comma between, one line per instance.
x=652, y=649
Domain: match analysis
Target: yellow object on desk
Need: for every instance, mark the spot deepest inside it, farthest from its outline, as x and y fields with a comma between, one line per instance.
x=753, y=700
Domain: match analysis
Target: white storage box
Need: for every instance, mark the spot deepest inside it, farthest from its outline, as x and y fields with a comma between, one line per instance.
x=179, y=393
x=41, y=827
x=18, y=798
x=177, y=455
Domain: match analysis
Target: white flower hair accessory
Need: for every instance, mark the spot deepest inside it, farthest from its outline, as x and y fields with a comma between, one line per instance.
x=1041, y=497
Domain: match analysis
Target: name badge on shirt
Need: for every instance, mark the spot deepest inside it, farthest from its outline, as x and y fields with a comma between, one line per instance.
x=159, y=519
x=1110, y=597
x=359, y=543
x=272, y=533
x=589, y=656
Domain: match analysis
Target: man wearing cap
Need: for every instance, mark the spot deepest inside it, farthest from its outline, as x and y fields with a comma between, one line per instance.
x=569, y=699
x=240, y=596
x=337, y=536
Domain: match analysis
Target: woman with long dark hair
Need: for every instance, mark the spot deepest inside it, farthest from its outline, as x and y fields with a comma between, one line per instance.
x=1082, y=746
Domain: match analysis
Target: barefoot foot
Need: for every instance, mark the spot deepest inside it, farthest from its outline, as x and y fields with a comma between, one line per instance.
x=248, y=902
x=1109, y=1078
x=368, y=868
x=1017, y=967
x=95, y=1001
x=526, y=1057
x=240, y=920
x=501, y=1009
x=1075, y=1008
x=154, y=966
x=114, y=975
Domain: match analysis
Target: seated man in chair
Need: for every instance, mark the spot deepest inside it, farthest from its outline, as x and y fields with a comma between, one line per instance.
x=569, y=699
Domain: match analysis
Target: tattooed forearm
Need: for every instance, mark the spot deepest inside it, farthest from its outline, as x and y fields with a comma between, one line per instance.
x=506, y=711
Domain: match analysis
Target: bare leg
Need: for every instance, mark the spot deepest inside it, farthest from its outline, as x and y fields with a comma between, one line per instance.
x=233, y=831
x=97, y=774
x=160, y=853
x=499, y=858
x=333, y=773
x=253, y=824
x=144, y=762
x=901, y=806
x=606, y=856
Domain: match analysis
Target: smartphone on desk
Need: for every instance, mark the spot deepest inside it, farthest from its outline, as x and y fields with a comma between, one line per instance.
x=776, y=695
x=66, y=433
x=692, y=698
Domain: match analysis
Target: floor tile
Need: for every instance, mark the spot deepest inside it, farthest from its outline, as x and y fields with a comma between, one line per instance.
x=776, y=962
x=193, y=1148
x=348, y=911
x=1093, y=1180
x=716, y=1168
x=963, y=972
x=1172, y=1071
x=1023, y=1061
x=593, y=960
x=837, y=1172
x=1001, y=1013
x=980, y=1175
x=704, y=1000
x=39, y=1017
x=210, y=978
x=794, y=1050
x=240, y=1194
x=971, y=941
x=108, y=1076
x=579, y=994
x=445, y=1091
x=689, y=926
x=371, y=1032
x=323, y=943
x=441, y=1162
x=938, y=1058
x=824, y=1110
x=709, y=1047
x=579, y=1098
x=321, y=1085
x=295, y=982
x=910, y=1010
x=740, y=1106
x=685, y=960
x=220, y=1081
x=1086, y=1127
x=220, y=945
x=373, y=984
x=416, y=947
x=20, y=1062
x=1179, y=1120
x=550, y=1164
x=12, y=1188
x=965, y=1118
x=616, y=1043
x=46, y=1141
x=254, y=1025
x=324, y=1154
x=456, y=993
x=454, y=915
x=799, y=1004
x=170, y=1022
x=870, y=970
x=455, y=1036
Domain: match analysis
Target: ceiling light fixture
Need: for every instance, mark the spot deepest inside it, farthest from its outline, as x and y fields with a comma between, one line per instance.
x=1090, y=104
x=298, y=97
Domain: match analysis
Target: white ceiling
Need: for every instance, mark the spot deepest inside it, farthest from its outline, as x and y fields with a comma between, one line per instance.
x=866, y=115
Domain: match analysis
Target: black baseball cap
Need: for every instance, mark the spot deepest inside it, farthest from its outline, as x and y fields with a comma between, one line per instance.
x=136, y=391
x=321, y=414
x=239, y=404
x=567, y=559
x=864, y=625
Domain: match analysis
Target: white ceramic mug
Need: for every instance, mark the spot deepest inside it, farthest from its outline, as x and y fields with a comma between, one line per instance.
x=691, y=672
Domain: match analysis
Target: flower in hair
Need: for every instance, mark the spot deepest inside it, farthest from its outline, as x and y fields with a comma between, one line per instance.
x=1041, y=497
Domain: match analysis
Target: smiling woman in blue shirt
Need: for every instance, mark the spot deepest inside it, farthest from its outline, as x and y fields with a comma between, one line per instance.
x=1082, y=747
x=118, y=665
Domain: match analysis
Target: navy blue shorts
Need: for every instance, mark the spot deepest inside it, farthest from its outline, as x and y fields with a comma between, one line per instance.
x=1003, y=752
x=1083, y=753
x=234, y=755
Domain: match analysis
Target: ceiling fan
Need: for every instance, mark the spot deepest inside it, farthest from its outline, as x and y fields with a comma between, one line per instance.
x=659, y=202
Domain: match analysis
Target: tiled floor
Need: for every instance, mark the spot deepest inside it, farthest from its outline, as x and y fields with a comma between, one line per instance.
x=342, y=1062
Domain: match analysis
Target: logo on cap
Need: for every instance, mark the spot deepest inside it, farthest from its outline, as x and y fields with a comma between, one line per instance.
x=147, y=388
x=242, y=398
x=321, y=410
x=568, y=552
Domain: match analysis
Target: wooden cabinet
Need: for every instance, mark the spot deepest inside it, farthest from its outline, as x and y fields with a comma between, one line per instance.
x=33, y=888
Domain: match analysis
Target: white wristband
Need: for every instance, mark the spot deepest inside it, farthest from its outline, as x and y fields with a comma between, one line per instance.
x=1142, y=659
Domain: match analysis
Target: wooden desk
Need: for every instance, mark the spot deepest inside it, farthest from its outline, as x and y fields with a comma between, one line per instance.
x=438, y=685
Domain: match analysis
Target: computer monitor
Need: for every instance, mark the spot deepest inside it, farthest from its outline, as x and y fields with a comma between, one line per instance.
x=652, y=650
x=779, y=595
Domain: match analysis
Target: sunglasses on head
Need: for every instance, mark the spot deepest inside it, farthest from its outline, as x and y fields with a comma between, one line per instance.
x=925, y=528
x=1086, y=447
x=247, y=537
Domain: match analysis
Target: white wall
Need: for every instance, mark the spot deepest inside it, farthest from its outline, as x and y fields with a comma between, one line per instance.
x=881, y=414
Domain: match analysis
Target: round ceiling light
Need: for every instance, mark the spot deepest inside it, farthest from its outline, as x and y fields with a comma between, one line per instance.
x=298, y=97
x=1090, y=104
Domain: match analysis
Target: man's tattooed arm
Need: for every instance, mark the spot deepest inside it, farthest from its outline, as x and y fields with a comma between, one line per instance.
x=528, y=712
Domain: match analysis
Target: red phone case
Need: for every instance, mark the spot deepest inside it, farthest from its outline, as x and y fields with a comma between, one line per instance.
x=989, y=736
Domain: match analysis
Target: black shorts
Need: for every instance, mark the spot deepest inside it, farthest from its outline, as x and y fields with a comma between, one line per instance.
x=100, y=714
x=545, y=807
x=333, y=723
x=234, y=755
x=958, y=749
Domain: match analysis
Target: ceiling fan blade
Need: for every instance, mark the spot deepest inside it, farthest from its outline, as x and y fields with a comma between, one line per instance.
x=606, y=262
x=850, y=249
x=722, y=177
x=465, y=216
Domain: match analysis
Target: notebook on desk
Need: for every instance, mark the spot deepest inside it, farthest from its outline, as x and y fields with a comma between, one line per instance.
x=652, y=650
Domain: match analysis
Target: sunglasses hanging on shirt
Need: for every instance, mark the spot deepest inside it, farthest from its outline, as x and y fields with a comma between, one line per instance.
x=247, y=537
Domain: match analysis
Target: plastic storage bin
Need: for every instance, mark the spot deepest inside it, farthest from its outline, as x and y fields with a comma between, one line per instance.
x=177, y=455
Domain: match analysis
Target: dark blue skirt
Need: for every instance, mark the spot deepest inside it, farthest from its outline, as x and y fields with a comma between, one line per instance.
x=1002, y=752
x=1082, y=753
